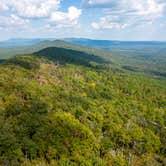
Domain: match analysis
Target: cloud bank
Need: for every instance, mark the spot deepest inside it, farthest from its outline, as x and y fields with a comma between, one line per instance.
x=123, y=13
x=66, y=19
x=25, y=10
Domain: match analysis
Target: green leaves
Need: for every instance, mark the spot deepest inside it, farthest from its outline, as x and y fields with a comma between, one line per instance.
x=77, y=115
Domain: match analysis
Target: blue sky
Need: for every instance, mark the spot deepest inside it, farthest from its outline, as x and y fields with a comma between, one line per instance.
x=97, y=19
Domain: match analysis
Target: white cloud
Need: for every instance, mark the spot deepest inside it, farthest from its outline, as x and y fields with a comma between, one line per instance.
x=67, y=19
x=105, y=24
x=48, y=10
x=119, y=13
x=31, y=8
x=12, y=21
x=98, y=3
x=3, y=6
x=150, y=9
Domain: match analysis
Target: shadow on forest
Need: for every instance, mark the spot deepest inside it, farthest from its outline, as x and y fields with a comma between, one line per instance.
x=61, y=56
x=2, y=60
x=64, y=56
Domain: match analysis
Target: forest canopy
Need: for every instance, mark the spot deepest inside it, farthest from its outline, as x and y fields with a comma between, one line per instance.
x=65, y=107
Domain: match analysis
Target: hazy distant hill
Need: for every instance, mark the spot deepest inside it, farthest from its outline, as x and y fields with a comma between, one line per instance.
x=11, y=43
x=139, y=56
x=4, y=53
x=112, y=43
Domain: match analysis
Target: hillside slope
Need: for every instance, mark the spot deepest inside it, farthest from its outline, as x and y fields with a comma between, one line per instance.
x=139, y=56
x=60, y=106
x=7, y=53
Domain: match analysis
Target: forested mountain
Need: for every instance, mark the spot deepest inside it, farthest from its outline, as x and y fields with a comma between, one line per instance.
x=139, y=56
x=69, y=105
x=7, y=53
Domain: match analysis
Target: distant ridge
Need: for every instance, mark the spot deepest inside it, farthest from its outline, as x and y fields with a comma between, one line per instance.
x=58, y=44
x=17, y=42
x=106, y=43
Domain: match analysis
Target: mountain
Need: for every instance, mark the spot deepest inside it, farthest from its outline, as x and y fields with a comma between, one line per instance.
x=67, y=105
x=89, y=42
x=139, y=56
x=11, y=43
x=6, y=53
x=65, y=56
x=112, y=43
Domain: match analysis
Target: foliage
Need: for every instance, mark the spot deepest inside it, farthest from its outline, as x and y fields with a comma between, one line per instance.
x=72, y=112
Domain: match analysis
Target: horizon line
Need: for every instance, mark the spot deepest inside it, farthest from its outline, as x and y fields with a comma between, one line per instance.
x=52, y=38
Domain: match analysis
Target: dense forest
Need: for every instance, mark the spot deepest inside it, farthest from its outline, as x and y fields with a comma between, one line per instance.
x=70, y=107
x=139, y=56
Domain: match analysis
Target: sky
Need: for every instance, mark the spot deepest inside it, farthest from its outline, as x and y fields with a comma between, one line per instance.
x=95, y=19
